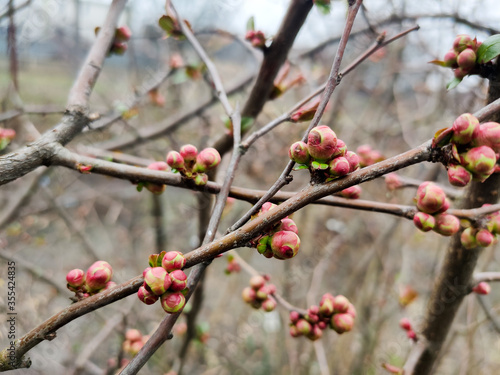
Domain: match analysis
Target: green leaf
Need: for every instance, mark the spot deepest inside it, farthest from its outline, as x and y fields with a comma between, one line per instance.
x=453, y=83
x=323, y=8
x=167, y=24
x=140, y=186
x=251, y=24
x=489, y=49
x=246, y=123
x=439, y=63
x=300, y=166
x=323, y=166
x=4, y=142
x=442, y=137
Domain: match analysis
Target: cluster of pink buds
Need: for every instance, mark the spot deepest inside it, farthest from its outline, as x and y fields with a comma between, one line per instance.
x=281, y=241
x=119, y=44
x=462, y=57
x=405, y=324
x=232, y=265
x=134, y=341
x=335, y=312
x=432, y=204
x=324, y=154
x=259, y=293
x=6, y=136
x=473, y=237
x=165, y=280
x=256, y=38
x=474, y=149
x=368, y=156
x=193, y=165
x=482, y=288
x=97, y=278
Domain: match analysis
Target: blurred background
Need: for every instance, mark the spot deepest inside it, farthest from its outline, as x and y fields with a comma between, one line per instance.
x=54, y=220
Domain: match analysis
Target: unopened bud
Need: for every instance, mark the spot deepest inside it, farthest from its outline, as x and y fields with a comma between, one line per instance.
x=146, y=296
x=392, y=181
x=321, y=143
x=466, y=59
x=463, y=128
x=294, y=316
x=172, y=302
x=123, y=34
x=341, y=148
x=299, y=153
x=173, y=260
x=158, y=166
x=468, y=238
x=482, y=288
x=339, y=167
x=175, y=160
x=460, y=73
x=458, y=175
x=285, y=244
x=488, y=134
x=341, y=304
x=450, y=58
x=98, y=274
x=461, y=42
x=423, y=221
x=480, y=160
x=353, y=160
x=189, y=153
x=257, y=282
x=201, y=179
x=341, y=323
x=446, y=224
x=430, y=198
x=75, y=278
x=303, y=326
x=158, y=280
x=288, y=225
x=207, y=159
x=484, y=238
x=405, y=324
x=411, y=335
x=315, y=333
x=353, y=192
x=326, y=307
x=269, y=304
x=179, y=280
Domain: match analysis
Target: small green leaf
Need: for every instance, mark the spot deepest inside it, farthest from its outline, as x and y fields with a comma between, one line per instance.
x=442, y=137
x=323, y=8
x=300, y=166
x=323, y=166
x=453, y=83
x=140, y=186
x=167, y=24
x=315, y=165
x=489, y=49
x=246, y=123
x=251, y=24
x=439, y=63
x=4, y=142
x=160, y=258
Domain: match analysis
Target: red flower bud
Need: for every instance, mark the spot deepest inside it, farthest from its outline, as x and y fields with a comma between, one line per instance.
x=488, y=134
x=294, y=332
x=480, y=160
x=294, y=316
x=172, y=302
x=175, y=160
x=353, y=192
x=179, y=280
x=446, y=224
x=288, y=225
x=285, y=244
x=298, y=152
x=248, y=294
x=303, y=327
x=158, y=280
x=315, y=333
x=462, y=41
x=411, y=335
x=466, y=59
x=339, y=167
x=482, y=288
x=392, y=181
x=463, y=128
x=468, y=238
x=430, y=198
x=75, y=278
x=341, y=304
x=405, y=324
x=269, y=304
x=158, y=166
x=173, y=260
x=461, y=72
x=341, y=323
x=484, y=238
x=352, y=310
x=98, y=274
x=321, y=143
x=207, y=159
x=146, y=296
x=133, y=335
x=341, y=148
x=423, y=221
x=450, y=58
x=458, y=175
x=189, y=153
x=123, y=34
x=257, y=282
x=353, y=160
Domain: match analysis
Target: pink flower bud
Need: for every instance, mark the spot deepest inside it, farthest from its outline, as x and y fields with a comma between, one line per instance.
x=446, y=224
x=175, y=160
x=257, y=282
x=341, y=323
x=172, y=302
x=298, y=152
x=423, y=221
x=262, y=293
x=146, y=296
x=288, y=225
x=248, y=294
x=430, y=198
x=352, y=311
x=392, y=369
x=145, y=270
x=461, y=42
x=189, y=153
x=484, y=238
x=468, y=238
x=450, y=58
x=201, y=179
x=98, y=274
x=109, y=285
x=118, y=48
x=7, y=133
x=466, y=59
x=482, y=288
x=411, y=335
x=173, y=260
x=463, y=128
x=179, y=280
x=313, y=309
x=133, y=335
x=285, y=244
x=321, y=143
x=480, y=160
x=341, y=148
x=405, y=324
x=494, y=224
x=341, y=304
x=207, y=159
x=294, y=332
x=339, y=167
x=158, y=280
x=123, y=34
x=392, y=181
x=155, y=188
x=294, y=316
x=158, y=166
x=303, y=326
x=353, y=192
x=488, y=134
x=353, y=160
x=458, y=175
x=269, y=304
x=176, y=61
x=75, y=278
x=461, y=72
x=312, y=318
x=315, y=333
x=322, y=324
x=135, y=347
